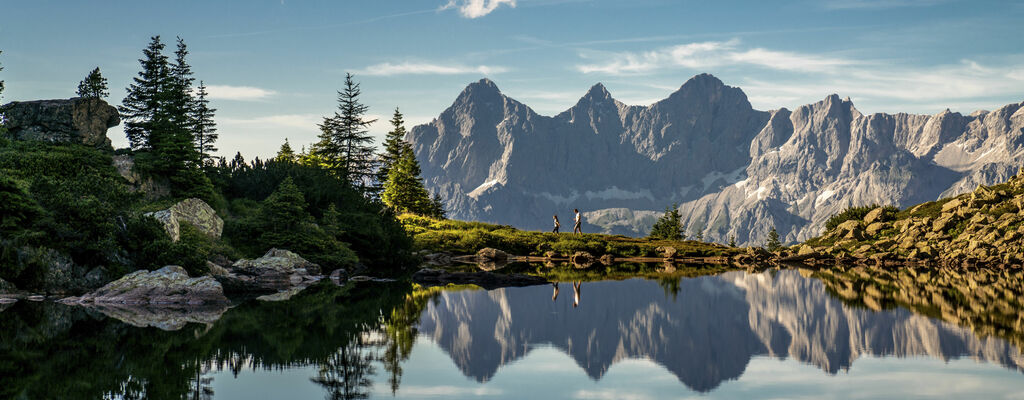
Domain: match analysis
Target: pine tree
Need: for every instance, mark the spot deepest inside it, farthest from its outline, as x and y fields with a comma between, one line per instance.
x=93, y=86
x=699, y=236
x=204, y=128
x=345, y=143
x=404, y=191
x=773, y=240
x=285, y=209
x=437, y=207
x=144, y=108
x=732, y=240
x=394, y=143
x=285, y=154
x=668, y=225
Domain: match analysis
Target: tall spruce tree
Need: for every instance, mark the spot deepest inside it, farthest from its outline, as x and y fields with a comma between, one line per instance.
x=204, y=128
x=668, y=225
x=345, y=144
x=93, y=86
x=394, y=143
x=773, y=240
x=404, y=191
x=144, y=109
x=285, y=153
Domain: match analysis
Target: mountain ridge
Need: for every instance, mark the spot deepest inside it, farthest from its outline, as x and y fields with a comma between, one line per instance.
x=735, y=170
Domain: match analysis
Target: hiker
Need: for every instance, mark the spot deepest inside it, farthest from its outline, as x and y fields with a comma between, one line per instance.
x=576, y=228
x=555, y=294
x=576, y=293
x=557, y=225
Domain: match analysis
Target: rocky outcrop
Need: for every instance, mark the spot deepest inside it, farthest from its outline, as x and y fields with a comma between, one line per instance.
x=167, y=286
x=985, y=226
x=192, y=211
x=278, y=270
x=746, y=171
x=76, y=120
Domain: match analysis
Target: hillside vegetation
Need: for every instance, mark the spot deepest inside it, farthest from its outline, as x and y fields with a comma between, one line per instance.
x=461, y=237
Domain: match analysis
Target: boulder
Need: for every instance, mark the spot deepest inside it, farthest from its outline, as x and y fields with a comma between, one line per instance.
x=277, y=270
x=76, y=120
x=851, y=230
x=193, y=211
x=582, y=259
x=875, y=227
x=943, y=222
x=166, y=317
x=667, y=251
x=166, y=286
x=607, y=259
x=879, y=214
x=491, y=254
x=951, y=205
x=442, y=258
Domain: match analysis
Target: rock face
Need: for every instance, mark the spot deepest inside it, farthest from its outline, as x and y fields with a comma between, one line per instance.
x=735, y=171
x=278, y=270
x=192, y=211
x=76, y=120
x=167, y=286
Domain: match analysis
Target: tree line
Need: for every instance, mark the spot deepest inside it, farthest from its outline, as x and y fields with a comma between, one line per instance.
x=171, y=129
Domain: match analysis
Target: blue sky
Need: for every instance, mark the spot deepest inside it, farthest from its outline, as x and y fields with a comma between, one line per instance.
x=274, y=66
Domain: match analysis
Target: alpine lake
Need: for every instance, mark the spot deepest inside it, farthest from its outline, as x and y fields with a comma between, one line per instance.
x=626, y=331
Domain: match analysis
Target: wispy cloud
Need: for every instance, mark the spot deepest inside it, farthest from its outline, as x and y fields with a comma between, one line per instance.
x=423, y=68
x=301, y=121
x=239, y=93
x=878, y=4
x=476, y=8
x=711, y=54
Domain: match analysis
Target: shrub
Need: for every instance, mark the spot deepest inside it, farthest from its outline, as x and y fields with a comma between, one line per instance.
x=858, y=213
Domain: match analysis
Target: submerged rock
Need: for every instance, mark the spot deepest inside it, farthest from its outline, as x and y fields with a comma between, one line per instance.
x=169, y=285
x=76, y=120
x=489, y=254
x=193, y=211
x=168, y=318
x=277, y=270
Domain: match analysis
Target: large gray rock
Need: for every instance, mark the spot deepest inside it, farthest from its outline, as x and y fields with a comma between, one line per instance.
x=735, y=171
x=278, y=270
x=192, y=211
x=76, y=120
x=167, y=286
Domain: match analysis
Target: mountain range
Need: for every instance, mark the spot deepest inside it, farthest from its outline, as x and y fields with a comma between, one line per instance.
x=734, y=171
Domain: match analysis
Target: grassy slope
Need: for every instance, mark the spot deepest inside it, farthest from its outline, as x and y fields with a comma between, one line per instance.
x=461, y=237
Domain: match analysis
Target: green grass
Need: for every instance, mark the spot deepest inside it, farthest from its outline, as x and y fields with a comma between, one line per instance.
x=461, y=237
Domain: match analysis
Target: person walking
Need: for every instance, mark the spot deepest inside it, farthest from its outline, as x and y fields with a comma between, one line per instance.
x=576, y=293
x=557, y=225
x=576, y=228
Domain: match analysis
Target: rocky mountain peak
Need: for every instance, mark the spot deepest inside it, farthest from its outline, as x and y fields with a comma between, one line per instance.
x=483, y=90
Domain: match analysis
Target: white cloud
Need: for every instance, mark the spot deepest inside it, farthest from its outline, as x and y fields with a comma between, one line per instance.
x=414, y=68
x=878, y=4
x=307, y=121
x=240, y=93
x=703, y=55
x=476, y=8
x=448, y=391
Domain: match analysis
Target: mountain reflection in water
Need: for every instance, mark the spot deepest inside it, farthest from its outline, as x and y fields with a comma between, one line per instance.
x=704, y=334
x=376, y=339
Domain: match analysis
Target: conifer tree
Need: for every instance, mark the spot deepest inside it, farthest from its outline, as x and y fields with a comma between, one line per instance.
x=144, y=108
x=437, y=207
x=668, y=225
x=394, y=143
x=732, y=240
x=345, y=144
x=773, y=240
x=93, y=86
x=404, y=191
x=285, y=154
x=699, y=236
x=204, y=129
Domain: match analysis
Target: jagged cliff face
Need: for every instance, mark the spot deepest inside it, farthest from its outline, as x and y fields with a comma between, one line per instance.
x=704, y=334
x=735, y=170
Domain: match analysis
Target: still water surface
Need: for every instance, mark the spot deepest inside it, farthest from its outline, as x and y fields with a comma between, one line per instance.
x=773, y=334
